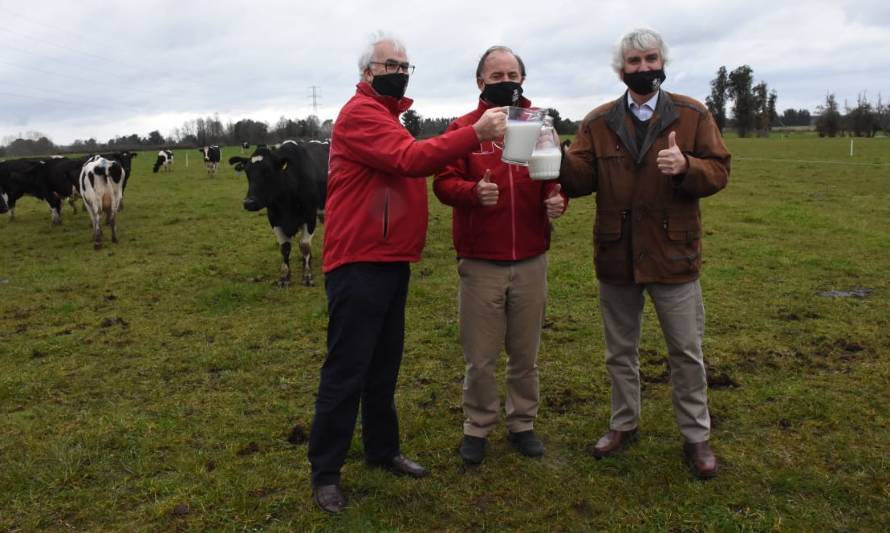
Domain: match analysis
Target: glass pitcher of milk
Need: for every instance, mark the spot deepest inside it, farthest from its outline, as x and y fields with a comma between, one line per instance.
x=546, y=157
x=523, y=127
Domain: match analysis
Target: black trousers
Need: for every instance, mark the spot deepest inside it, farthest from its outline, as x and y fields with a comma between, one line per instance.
x=366, y=334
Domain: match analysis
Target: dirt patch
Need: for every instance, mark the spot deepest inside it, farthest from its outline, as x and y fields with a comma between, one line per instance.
x=250, y=449
x=21, y=328
x=562, y=401
x=426, y=404
x=721, y=380
x=38, y=354
x=109, y=297
x=114, y=321
x=262, y=492
x=297, y=435
x=784, y=423
x=181, y=510
x=654, y=376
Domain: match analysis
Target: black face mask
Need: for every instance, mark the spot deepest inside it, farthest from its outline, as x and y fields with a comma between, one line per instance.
x=391, y=84
x=503, y=93
x=644, y=82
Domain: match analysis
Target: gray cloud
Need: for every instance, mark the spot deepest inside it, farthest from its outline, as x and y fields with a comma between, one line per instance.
x=92, y=69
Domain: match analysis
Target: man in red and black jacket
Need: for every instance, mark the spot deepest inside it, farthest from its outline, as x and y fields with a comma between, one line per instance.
x=376, y=220
x=501, y=234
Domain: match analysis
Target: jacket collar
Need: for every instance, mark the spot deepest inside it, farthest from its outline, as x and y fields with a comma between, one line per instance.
x=618, y=121
x=396, y=106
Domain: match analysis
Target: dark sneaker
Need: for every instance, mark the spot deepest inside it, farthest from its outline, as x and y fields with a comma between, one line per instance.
x=527, y=443
x=472, y=449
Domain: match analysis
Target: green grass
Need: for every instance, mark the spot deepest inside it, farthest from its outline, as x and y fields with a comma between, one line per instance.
x=154, y=384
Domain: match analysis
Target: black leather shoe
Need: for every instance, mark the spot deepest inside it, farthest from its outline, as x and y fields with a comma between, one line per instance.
x=330, y=498
x=527, y=443
x=472, y=449
x=402, y=466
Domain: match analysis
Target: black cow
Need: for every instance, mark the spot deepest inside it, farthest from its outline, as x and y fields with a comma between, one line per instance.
x=211, y=158
x=20, y=177
x=164, y=161
x=291, y=183
x=59, y=179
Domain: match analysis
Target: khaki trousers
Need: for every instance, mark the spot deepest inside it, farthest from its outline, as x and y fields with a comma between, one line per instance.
x=681, y=314
x=501, y=305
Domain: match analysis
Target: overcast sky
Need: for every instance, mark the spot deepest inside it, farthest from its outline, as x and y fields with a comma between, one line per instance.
x=75, y=70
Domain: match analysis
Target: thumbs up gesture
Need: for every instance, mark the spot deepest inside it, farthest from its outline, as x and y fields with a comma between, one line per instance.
x=555, y=203
x=486, y=191
x=671, y=161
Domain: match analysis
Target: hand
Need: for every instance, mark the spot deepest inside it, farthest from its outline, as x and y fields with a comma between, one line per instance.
x=486, y=191
x=492, y=124
x=671, y=161
x=555, y=203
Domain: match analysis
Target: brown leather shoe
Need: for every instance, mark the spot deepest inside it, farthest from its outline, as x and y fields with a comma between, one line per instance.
x=614, y=441
x=402, y=466
x=330, y=498
x=701, y=459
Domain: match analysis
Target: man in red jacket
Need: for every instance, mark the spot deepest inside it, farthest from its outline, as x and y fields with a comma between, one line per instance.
x=501, y=234
x=376, y=219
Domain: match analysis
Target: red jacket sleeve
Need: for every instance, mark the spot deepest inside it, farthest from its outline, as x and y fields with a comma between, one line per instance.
x=376, y=138
x=453, y=186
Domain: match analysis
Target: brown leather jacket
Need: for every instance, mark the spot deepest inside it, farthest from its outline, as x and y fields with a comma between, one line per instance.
x=648, y=225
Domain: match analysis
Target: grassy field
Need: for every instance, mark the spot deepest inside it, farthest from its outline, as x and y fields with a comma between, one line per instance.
x=164, y=383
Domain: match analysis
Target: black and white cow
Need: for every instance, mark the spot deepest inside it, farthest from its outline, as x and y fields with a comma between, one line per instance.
x=164, y=161
x=291, y=183
x=211, y=158
x=102, y=186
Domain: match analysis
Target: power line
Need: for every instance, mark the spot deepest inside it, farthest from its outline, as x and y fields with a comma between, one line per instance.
x=315, y=96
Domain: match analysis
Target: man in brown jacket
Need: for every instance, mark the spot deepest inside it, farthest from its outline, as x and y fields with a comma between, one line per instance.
x=649, y=156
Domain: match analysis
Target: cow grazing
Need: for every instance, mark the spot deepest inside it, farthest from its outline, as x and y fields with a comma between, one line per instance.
x=163, y=162
x=211, y=158
x=291, y=183
x=102, y=187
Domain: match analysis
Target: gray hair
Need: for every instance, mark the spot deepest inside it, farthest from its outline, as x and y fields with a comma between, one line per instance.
x=364, y=61
x=638, y=39
x=498, y=48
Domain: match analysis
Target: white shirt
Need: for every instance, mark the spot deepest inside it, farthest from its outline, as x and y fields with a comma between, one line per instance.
x=643, y=112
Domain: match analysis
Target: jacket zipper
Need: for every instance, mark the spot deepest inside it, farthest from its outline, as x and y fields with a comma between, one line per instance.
x=386, y=215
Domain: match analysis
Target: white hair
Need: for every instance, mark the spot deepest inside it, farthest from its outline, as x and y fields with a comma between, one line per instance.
x=364, y=61
x=638, y=39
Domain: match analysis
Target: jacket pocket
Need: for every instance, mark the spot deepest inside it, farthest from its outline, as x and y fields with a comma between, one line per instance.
x=683, y=249
x=610, y=246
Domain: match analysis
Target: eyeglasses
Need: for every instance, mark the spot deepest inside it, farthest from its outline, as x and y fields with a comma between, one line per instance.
x=391, y=67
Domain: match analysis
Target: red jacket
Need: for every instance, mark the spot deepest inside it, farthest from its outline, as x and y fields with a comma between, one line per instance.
x=375, y=210
x=517, y=227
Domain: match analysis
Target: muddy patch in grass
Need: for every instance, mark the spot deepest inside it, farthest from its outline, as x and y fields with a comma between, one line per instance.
x=562, y=401
x=298, y=435
x=114, y=321
x=250, y=449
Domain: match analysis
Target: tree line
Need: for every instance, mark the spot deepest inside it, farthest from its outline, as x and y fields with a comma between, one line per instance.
x=201, y=131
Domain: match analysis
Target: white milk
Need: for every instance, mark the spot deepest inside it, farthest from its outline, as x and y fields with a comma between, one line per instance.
x=519, y=141
x=544, y=164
